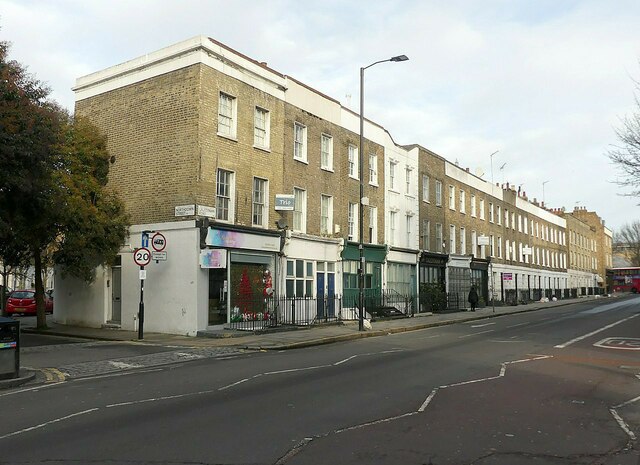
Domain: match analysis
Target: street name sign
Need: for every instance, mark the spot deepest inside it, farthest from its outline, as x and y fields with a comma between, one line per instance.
x=185, y=210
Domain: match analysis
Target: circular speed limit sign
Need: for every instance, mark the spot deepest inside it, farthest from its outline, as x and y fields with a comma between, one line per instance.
x=142, y=256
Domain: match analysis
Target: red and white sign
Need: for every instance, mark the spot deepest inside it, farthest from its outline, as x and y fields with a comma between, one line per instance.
x=142, y=256
x=623, y=343
x=158, y=242
x=507, y=276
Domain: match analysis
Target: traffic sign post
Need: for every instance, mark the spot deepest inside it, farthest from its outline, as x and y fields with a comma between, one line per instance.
x=141, y=257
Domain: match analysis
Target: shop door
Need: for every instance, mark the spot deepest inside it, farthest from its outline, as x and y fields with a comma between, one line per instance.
x=116, y=294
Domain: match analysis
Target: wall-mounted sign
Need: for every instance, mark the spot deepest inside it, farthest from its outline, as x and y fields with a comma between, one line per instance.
x=507, y=276
x=213, y=258
x=284, y=202
x=209, y=212
x=483, y=240
x=185, y=210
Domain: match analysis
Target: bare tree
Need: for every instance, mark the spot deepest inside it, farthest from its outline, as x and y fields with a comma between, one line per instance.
x=626, y=155
x=627, y=241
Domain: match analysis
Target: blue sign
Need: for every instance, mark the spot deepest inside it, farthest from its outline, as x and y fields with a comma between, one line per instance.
x=145, y=240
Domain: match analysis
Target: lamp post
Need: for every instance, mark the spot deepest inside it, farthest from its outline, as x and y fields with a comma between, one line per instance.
x=543, y=190
x=361, y=268
x=491, y=156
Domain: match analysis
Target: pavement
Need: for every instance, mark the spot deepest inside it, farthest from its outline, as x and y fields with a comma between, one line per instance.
x=224, y=343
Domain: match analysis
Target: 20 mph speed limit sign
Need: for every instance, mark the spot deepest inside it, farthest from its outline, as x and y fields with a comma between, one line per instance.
x=142, y=256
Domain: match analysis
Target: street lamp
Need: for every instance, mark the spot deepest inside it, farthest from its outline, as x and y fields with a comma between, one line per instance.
x=543, y=190
x=491, y=156
x=362, y=203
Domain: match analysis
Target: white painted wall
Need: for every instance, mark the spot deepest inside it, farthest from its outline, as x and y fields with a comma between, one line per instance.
x=398, y=200
x=81, y=304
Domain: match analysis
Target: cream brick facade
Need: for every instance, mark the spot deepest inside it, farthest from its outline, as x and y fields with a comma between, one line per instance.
x=177, y=118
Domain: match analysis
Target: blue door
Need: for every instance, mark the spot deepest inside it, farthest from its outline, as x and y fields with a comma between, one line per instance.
x=320, y=295
x=331, y=295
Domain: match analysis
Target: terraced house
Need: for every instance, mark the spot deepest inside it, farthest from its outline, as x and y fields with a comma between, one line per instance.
x=253, y=178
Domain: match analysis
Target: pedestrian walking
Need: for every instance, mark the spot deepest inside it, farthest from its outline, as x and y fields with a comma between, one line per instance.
x=473, y=298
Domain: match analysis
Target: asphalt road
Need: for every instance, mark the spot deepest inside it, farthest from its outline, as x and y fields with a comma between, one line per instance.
x=548, y=387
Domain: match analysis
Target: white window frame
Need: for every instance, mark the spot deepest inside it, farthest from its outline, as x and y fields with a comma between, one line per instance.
x=262, y=128
x=392, y=227
x=499, y=214
x=353, y=161
x=225, y=197
x=463, y=240
x=392, y=175
x=482, y=209
x=373, y=169
x=352, y=221
x=452, y=239
x=299, y=142
x=227, y=115
x=425, y=188
x=299, y=210
x=326, y=152
x=407, y=180
x=373, y=225
x=473, y=205
x=262, y=204
x=426, y=234
x=491, y=213
x=438, y=193
x=408, y=220
x=463, y=199
x=452, y=197
x=326, y=214
x=439, y=238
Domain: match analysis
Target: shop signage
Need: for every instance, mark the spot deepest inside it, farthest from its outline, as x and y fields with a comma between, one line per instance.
x=284, y=202
x=213, y=258
x=241, y=240
x=185, y=210
x=507, y=276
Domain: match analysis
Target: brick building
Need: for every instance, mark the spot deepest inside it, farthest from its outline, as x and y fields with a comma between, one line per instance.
x=205, y=141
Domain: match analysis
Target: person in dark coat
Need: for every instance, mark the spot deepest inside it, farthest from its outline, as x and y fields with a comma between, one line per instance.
x=473, y=298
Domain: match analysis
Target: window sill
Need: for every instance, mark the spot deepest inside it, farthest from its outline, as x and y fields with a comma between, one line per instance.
x=425, y=201
x=374, y=184
x=228, y=137
x=306, y=162
x=329, y=170
x=354, y=177
x=263, y=149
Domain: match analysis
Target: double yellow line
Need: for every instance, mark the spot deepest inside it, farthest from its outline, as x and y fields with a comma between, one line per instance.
x=52, y=375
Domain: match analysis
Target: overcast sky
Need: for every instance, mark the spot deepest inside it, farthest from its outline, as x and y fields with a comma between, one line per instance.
x=545, y=82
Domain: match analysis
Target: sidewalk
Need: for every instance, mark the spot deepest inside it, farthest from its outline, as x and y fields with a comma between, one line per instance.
x=298, y=337
x=69, y=361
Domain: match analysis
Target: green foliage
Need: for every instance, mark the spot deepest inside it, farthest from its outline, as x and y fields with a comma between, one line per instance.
x=54, y=201
x=433, y=296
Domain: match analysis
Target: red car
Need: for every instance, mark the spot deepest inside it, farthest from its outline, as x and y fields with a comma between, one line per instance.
x=24, y=301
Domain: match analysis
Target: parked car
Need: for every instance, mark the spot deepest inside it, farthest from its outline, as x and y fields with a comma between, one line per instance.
x=23, y=302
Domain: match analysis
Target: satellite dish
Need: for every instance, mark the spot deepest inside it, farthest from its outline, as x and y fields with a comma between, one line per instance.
x=479, y=172
x=282, y=224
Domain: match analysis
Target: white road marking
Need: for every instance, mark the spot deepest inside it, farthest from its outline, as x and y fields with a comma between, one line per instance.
x=293, y=370
x=519, y=324
x=375, y=422
x=580, y=338
x=428, y=400
x=483, y=325
x=124, y=366
x=475, y=334
x=430, y=337
x=622, y=424
x=233, y=384
x=42, y=425
x=510, y=340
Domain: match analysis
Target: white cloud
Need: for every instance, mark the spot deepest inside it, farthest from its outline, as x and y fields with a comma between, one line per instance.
x=544, y=82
